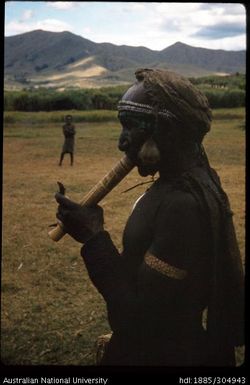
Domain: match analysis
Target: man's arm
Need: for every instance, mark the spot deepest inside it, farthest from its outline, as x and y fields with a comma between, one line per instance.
x=168, y=264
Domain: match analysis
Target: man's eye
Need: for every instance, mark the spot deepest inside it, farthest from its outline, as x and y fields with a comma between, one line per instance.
x=125, y=127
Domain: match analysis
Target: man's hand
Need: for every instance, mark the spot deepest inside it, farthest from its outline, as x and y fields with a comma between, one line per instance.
x=80, y=222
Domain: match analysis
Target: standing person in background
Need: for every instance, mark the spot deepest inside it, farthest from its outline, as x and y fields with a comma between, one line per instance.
x=69, y=142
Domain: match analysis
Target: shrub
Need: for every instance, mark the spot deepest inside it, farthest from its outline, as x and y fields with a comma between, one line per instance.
x=221, y=92
x=225, y=98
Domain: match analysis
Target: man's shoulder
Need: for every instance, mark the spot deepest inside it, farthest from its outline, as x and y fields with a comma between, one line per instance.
x=180, y=199
x=175, y=202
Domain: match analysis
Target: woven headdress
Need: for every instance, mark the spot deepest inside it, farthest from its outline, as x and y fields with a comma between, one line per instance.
x=171, y=96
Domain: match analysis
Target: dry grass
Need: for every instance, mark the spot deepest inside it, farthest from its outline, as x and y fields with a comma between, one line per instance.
x=87, y=73
x=78, y=74
x=51, y=313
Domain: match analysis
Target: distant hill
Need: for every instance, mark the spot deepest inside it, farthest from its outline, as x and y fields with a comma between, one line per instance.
x=62, y=60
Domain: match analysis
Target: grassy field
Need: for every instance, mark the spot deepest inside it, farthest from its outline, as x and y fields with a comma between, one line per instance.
x=51, y=313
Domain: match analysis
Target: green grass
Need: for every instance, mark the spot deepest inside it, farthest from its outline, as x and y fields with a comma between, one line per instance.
x=43, y=117
x=51, y=312
x=230, y=113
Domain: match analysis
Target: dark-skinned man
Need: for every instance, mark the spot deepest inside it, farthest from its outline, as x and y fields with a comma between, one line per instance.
x=180, y=256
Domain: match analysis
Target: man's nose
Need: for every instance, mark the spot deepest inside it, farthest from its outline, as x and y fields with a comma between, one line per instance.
x=123, y=144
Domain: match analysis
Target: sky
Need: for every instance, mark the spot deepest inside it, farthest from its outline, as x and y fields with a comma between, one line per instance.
x=155, y=25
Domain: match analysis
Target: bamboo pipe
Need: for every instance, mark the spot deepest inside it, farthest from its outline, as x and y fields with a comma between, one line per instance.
x=99, y=191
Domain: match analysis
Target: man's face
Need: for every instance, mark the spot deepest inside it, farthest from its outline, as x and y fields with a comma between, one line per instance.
x=136, y=130
x=68, y=119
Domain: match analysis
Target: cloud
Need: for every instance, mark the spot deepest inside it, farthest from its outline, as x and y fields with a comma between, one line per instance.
x=155, y=25
x=86, y=30
x=171, y=25
x=27, y=14
x=133, y=7
x=235, y=9
x=204, y=25
x=221, y=30
x=62, y=5
x=53, y=25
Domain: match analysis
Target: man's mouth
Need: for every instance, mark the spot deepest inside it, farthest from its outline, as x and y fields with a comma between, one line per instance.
x=133, y=156
x=146, y=170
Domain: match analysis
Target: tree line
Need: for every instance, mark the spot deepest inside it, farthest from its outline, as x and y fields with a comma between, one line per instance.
x=222, y=92
x=43, y=99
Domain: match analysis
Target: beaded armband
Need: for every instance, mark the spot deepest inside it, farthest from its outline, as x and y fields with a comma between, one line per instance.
x=164, y=267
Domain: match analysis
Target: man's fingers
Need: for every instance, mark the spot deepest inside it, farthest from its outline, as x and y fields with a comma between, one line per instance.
x=59, y=216
x=61, y=188
x=67, y=203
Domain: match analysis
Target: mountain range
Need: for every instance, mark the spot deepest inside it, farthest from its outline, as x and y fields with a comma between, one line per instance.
x=63, y=60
